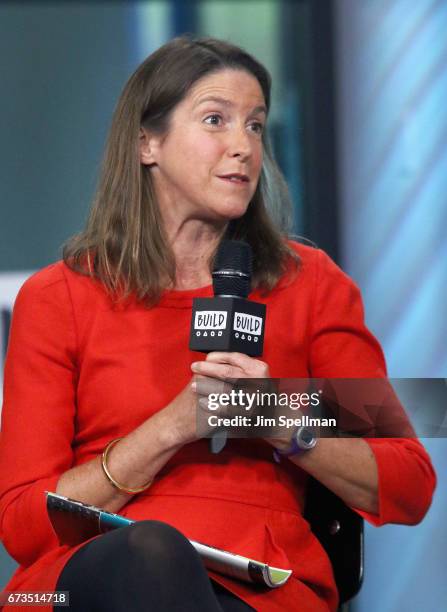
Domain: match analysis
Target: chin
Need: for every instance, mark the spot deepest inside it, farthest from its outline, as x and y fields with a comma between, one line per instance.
x=232, y=210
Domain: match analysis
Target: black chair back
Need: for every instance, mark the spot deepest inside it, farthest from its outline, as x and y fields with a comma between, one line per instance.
x=340, y=531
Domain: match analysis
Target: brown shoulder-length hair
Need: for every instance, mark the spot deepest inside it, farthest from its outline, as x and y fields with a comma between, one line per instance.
x=124, y=244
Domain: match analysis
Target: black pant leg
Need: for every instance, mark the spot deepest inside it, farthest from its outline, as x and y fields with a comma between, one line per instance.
x=146, y=566
x=228, y=601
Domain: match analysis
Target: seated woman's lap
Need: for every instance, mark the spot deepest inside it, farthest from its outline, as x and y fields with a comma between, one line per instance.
x=146, y=566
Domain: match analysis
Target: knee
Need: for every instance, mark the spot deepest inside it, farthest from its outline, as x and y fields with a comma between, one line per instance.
x=158, y=541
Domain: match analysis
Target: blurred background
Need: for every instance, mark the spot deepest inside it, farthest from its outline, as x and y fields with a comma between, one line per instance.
x=359, y=127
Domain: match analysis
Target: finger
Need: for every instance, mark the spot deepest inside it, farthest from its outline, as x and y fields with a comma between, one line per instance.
x=249, y=366
x=236, y=359
x=204, y=405
x=210, y=405
x=222, y=371
x=205, y=385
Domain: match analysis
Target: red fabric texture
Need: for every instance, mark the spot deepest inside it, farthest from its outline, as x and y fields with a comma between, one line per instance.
x=81, y=370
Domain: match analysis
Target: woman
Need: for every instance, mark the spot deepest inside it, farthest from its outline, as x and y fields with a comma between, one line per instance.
x=99, y=351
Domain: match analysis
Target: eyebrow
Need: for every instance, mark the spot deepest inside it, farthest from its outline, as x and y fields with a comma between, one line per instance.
x=225, y=102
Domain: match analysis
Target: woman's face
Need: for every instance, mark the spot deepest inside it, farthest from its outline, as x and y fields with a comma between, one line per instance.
x=208, y=164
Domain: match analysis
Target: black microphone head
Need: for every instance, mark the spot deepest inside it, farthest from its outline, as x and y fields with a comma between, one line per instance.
x=232, y=269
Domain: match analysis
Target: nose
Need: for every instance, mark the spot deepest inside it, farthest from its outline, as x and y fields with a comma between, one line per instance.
x=240, y=144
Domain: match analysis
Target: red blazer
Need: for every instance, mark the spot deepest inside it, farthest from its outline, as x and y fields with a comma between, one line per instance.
x=81, y=371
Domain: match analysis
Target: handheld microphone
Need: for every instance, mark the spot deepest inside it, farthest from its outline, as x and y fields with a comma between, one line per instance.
x=228, y=321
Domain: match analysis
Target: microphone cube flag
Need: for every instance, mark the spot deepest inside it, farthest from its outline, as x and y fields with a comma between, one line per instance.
x=227, y=324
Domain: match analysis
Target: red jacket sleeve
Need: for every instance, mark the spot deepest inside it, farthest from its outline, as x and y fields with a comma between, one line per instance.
x=38, y=412
x=406, y=481
x=342, y=347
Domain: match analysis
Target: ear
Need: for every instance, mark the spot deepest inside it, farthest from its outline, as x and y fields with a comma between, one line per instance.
x=148, y=148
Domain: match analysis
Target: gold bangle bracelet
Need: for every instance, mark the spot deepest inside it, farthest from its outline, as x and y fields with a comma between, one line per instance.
x=109, y=476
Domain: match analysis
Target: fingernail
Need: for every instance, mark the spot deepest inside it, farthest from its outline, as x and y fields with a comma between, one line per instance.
x=195, y=365
x=194, y=386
